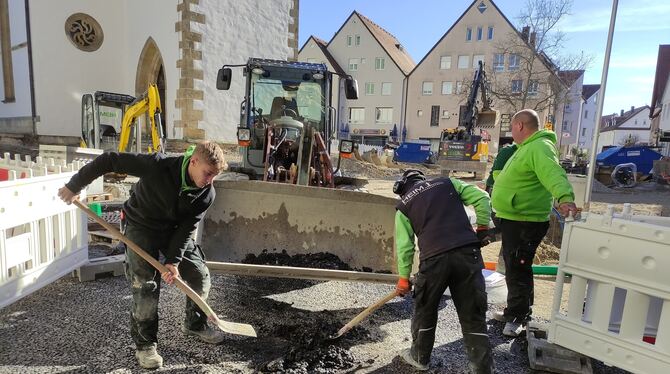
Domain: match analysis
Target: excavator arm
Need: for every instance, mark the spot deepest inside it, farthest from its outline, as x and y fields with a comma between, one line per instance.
x=150, y=103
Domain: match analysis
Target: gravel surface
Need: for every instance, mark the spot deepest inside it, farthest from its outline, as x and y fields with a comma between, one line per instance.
x=73, y=327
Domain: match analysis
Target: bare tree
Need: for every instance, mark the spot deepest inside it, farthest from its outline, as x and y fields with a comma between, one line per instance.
x=526, y=64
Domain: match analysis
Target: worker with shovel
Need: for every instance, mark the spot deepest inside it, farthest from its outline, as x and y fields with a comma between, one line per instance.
x=449, y=256
x=161, y=216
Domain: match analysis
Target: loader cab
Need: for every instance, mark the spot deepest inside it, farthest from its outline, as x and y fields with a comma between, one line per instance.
x=284, y=104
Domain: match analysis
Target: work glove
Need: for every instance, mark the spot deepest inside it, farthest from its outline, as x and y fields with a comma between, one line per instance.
x=485, y=235
x=403, y=286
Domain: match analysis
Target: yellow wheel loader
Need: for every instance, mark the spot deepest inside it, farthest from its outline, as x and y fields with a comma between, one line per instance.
x=109, y=121
x=286, y=127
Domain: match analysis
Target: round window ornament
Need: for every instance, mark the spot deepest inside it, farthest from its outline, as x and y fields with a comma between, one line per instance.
x=84, y=32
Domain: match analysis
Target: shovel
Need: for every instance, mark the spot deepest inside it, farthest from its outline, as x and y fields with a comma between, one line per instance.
x=361, y=316
x=229, y=327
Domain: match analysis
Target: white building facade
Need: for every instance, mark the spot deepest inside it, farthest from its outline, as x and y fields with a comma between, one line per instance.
x=75, y=47
x=635, y=128
x=380, y=64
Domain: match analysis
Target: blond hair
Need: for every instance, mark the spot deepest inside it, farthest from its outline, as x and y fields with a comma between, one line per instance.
x=210, y=152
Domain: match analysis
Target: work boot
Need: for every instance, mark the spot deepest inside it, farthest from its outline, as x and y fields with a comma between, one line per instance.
x=513, y=329
x=407, y=357
x=207, y=334
x=148, y=358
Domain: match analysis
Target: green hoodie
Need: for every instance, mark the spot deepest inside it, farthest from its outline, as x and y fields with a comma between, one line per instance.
x=531, y=179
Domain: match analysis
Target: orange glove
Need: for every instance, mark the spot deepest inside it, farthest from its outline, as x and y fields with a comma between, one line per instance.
x=403, y=287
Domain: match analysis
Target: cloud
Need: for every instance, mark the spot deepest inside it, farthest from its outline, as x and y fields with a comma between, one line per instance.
x=644, y=15
x=626, y=61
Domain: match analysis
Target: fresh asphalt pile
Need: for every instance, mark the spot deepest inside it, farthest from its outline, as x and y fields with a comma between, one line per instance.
x=73, y=327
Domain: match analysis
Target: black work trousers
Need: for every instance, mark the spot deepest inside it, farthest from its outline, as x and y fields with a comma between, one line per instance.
x=145, y=283
x=461, y=270
x=519, y=243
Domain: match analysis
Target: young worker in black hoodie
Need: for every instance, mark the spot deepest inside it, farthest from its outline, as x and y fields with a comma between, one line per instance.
x=161, y=216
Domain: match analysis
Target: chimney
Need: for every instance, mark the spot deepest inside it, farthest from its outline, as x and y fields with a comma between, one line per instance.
x=533, y=36
x=621, y=115
x=632, y=108
x=524, y=33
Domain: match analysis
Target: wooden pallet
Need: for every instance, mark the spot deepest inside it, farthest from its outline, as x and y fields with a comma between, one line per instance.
x=99, y=197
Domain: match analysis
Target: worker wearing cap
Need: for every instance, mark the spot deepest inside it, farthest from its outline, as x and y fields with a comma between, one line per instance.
x=449, y=256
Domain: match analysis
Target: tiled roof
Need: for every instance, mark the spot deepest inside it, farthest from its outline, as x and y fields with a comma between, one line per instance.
x=589, y=89
x=391, y=45
x=323, y=45
x=570, y=76
x=620, y=120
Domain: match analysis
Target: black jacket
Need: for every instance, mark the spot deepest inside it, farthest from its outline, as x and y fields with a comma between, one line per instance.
x=157, y=203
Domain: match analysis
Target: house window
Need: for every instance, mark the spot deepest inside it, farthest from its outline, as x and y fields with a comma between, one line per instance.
x=514, y=61
x=379, y=63
x=468, y=34
x=517, y=86
x=427, y=88
x=586, y=114
x=447, y=88
x=353, y=64
x=565, y=126
x=386, y=88
x=445, y=62
x=480, y=33
x=356, y=115
x=358, y=40
x=434, y=115
x=463, y=62
x=490, y=34
x=583, y=132
x=498, y=62
x=459, y=87
x=349, y=39
x=384, y=115
x=533, y=87
x=369, y=88
x=476, y=59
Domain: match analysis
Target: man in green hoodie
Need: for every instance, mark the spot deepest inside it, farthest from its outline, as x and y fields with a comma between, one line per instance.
x=524, y=192
x=161, y=216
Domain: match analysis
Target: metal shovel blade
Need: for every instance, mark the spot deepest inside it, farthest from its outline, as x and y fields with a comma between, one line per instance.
x=235, y=328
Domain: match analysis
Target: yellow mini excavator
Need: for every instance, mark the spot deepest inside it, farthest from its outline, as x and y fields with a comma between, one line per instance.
x=109, y=121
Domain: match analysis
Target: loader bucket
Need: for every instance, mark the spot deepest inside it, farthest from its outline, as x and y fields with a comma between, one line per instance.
x=487, y=118
x=248, y=217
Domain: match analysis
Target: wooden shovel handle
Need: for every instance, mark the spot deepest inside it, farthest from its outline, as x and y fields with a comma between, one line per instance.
x=356, y=320
x=160, y=267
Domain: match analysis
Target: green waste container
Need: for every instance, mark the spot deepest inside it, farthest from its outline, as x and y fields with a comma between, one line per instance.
x=96, y=208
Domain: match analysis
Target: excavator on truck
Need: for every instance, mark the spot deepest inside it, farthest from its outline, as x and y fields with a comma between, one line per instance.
x=109, y=121
x=462, y=148
x=290, y=202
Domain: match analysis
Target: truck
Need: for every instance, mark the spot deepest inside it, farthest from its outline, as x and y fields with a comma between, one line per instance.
x=290, y=202
x=462, y=148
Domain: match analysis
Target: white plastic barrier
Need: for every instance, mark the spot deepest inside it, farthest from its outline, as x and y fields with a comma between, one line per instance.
x=618, y=310
x=41, y=238
x=18, y=168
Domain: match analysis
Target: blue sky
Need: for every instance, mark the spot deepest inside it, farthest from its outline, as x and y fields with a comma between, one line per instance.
x=640, y=27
